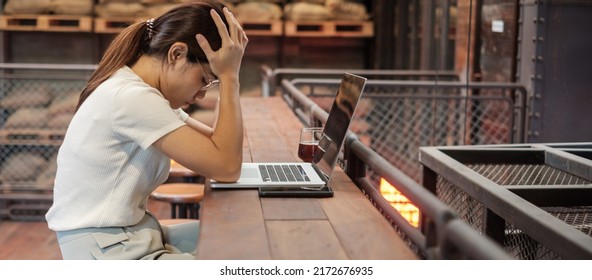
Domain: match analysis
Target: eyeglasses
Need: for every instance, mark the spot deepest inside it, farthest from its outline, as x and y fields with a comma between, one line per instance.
x=209, y=82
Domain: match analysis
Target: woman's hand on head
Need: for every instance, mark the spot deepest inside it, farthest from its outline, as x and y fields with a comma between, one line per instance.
x=221, y=150
x=226, y=62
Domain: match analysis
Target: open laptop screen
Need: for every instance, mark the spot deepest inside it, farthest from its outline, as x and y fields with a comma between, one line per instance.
x=340, y=116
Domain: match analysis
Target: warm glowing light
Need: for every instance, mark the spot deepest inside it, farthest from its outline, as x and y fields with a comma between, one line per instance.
x=399, y=202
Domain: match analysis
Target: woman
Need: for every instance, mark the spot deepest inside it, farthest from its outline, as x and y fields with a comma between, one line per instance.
x=129, y=124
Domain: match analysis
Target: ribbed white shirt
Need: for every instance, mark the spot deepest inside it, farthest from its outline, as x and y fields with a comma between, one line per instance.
x=107, y=166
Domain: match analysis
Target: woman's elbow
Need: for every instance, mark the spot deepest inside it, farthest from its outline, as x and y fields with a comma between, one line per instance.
x=229, y=173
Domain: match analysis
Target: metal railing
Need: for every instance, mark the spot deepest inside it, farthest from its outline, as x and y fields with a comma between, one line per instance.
x=271, y=78
x=395, y=118
x=441, y=234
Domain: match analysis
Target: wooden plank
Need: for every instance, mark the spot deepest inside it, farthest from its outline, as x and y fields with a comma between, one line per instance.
x=31, y=142
x=364, y=233
x=32, y=134
x=24, y=187
x=283, y=117
x=28, y=241
x=329, y=29
x=304, y=240
x=232, y=226
x=62, y=23
x=19, y=22
x=265, y=140
x=262, y=27
x=115, y=24
x=292, y=209
x=353, y=29
x=52, y=23
x=306, y=29
x=260, y=141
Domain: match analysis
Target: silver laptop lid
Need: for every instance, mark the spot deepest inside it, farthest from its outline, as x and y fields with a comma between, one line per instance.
x=340, y=116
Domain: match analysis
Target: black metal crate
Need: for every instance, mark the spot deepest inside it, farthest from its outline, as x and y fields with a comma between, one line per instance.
x=535, y=200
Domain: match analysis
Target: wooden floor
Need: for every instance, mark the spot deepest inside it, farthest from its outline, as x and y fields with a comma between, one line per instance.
x=24, y=240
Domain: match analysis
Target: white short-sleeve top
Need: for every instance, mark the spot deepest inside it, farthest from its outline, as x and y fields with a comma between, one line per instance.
x=107, y=166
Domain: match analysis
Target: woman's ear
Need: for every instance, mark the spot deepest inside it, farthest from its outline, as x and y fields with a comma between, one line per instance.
x=177, y=51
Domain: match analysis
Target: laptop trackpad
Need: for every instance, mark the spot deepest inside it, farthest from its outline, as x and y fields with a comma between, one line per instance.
x=249, y=172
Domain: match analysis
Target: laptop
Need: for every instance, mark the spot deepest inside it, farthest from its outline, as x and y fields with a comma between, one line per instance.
x=304, y=179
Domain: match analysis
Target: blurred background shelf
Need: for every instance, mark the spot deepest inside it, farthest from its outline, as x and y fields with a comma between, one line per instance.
x=112, y=25
x=329, y=29
x=263, y=27
x=20, y=136
x=115, y=24
x=50, y=23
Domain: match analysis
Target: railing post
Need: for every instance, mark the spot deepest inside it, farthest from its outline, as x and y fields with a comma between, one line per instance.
x=426, y=225
x=355, y=168
x=495, y=226
x=268, y=81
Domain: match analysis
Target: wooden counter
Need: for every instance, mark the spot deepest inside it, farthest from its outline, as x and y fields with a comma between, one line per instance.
x=238, y=224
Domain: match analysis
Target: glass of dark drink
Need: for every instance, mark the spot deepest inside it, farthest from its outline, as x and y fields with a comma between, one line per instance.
x=309, y=143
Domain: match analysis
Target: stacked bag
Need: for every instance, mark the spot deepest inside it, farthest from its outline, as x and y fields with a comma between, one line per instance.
x=135, y=8
x=40, y=108
x=58, y=7
x=28, y=167
x=301, y=10
x=297, y=10
x=257, y=10
x=306, y=10
x=103, y=8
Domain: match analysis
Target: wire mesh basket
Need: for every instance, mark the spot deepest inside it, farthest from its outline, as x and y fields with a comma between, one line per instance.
x=535, y=200
x=37, y=103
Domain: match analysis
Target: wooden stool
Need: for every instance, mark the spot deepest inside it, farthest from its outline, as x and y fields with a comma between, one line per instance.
x=183, y=197
x=180, y=171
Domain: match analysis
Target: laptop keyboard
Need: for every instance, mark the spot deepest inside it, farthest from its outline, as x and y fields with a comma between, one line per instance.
x=283, y=173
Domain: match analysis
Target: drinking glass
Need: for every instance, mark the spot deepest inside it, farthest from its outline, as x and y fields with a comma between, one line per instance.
x=309, y=143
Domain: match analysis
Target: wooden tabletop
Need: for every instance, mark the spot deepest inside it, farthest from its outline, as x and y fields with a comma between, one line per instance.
x=239, y=225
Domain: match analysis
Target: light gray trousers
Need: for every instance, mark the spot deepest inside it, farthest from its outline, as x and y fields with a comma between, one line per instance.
x=145, y=240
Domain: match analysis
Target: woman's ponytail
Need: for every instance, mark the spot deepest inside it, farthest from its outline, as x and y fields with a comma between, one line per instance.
x=125, y=49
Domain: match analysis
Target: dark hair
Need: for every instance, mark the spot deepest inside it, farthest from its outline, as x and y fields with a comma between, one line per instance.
x=180, y=24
